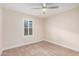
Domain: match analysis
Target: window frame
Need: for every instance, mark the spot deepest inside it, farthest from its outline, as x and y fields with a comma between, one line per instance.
x=27, y=19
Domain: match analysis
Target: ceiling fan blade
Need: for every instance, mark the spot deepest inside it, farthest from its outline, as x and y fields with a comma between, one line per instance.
x=53, y=7
x=50, y=4
x=36, y=8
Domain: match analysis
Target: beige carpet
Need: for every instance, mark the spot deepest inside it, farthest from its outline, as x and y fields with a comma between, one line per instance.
x=42, y=48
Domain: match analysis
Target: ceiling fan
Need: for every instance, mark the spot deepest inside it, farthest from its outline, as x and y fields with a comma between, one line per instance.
x=45, y=6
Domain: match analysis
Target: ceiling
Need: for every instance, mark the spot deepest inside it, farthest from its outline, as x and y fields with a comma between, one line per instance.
x=27, y=8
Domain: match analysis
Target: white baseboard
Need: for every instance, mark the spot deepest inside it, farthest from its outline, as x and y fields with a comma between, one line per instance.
x=19, y=45
x=62, y=45
x=39, y=41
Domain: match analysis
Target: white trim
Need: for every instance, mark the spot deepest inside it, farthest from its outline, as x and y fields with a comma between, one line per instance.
x=28, y=19
x=22, y=44
x=39, y=41
x=62, y=45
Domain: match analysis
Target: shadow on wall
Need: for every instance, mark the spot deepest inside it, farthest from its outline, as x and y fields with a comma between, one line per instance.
x=65, y=37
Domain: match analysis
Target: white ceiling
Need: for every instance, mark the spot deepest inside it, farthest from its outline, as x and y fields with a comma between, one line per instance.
x=27, y=8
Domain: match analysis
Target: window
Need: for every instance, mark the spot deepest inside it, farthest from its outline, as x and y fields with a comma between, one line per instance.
x=27, y=27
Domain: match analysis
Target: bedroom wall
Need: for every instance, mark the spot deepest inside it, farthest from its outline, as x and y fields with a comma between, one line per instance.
x=0, y=30
x=63, y=29
x=13, y=31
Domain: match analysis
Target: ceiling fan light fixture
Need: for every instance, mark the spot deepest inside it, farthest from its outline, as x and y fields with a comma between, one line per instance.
x=44, y=4
x=44, y=10
x=44, y=7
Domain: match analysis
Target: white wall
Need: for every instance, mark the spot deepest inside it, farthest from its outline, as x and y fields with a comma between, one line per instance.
x=0, y=30
x=13, y=31
x=63, y=29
